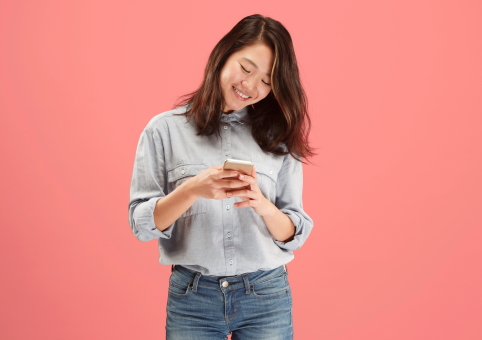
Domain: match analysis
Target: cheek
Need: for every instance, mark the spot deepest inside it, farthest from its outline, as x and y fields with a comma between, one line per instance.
x=229, y=75
x=225, y=74
x=223, y=79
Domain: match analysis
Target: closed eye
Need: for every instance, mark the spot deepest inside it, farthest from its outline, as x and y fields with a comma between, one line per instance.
x=245, y=70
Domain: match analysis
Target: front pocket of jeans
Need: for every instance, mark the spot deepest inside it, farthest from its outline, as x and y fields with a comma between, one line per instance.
x=271, y=288
x=178, y=287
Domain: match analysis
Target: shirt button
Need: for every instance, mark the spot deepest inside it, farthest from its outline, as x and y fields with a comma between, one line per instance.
x=183, y=171
x=227, y=206
x=225, y=127
x=226, y=153
x=271, y=172
x=231, y=261
x=225, y=284
x=228, y=235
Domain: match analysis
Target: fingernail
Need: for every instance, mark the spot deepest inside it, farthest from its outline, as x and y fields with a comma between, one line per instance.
x=241, y=176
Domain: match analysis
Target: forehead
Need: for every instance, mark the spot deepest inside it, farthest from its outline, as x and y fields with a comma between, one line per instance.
x=260, y=54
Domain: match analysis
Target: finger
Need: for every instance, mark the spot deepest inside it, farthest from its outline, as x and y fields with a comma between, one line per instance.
x=243, y=199
x=253, y=172
x=252, y=182
x=233, y=183
x=248, y=194
x=248, y=179
x=228, y=173
x=243, y=204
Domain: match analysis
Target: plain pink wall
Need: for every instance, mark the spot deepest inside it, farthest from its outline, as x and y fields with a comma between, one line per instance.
x=396, y=193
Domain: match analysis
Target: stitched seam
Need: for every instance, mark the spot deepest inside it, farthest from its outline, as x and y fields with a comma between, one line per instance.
x=234, y=308
x=271, y=278
x=283, y=292
x=185, y=164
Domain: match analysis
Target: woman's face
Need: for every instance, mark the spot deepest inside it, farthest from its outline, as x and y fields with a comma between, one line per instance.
x=246, y=76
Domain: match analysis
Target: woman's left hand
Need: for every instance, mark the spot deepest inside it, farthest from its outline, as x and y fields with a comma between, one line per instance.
x=252, y=196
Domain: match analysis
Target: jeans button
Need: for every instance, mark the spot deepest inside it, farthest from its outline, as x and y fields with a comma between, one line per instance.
x=225, y=284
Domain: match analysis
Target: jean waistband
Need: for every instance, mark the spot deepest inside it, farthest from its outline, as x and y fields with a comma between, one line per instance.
x=196, y=279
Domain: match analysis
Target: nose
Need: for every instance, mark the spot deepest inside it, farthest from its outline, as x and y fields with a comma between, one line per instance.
x=248, y=86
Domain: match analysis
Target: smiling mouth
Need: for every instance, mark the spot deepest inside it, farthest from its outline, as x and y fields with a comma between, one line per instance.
x=240, y=94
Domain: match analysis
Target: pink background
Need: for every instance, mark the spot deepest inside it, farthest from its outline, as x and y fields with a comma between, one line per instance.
x=395, y=192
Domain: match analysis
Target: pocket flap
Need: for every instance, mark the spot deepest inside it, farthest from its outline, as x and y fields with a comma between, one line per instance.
x=185, y=170
x=267, y=170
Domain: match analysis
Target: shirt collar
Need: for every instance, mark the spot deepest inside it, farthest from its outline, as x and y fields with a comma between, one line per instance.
x=241, y=116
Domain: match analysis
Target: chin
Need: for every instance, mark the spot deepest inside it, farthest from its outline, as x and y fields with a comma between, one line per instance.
x=235, y=107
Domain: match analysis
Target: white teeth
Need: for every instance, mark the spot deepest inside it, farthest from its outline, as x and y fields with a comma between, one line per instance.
x=242, y=95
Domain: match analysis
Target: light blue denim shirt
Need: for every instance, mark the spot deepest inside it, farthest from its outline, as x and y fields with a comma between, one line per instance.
x=212, y=236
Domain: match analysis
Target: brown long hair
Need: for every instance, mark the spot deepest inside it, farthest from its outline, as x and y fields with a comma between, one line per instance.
x=282, y=116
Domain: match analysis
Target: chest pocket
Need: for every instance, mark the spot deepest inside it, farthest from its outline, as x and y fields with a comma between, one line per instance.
x=267, y=177
x=179, y=175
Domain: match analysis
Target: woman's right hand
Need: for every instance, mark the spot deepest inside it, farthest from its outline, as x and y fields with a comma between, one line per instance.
x=213, y=183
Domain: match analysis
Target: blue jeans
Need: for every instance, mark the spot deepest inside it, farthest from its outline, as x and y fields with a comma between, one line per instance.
x=254, y=306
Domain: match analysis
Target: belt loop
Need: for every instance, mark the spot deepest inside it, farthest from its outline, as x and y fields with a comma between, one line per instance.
x=195, y=282
x=246, y=283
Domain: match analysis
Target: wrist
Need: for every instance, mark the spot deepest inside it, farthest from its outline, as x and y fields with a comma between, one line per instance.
x=188, y=190
x=270, y=209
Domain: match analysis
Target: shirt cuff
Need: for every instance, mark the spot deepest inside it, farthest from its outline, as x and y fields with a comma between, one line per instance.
x=295, y=243
x=144, y=220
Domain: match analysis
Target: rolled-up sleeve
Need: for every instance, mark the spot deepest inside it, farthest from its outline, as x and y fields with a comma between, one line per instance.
x=148, y=185
x=289, y=190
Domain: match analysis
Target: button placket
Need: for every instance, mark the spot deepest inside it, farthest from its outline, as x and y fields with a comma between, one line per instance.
x=227, y=212
x=226, y=143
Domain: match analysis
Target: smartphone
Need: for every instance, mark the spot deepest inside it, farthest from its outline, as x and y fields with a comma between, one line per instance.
x=244, y=167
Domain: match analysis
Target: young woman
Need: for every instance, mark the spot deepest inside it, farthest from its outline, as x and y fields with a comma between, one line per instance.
x=228, y=236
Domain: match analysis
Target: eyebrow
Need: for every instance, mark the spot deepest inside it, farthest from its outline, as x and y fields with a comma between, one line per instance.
x=252, y=63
